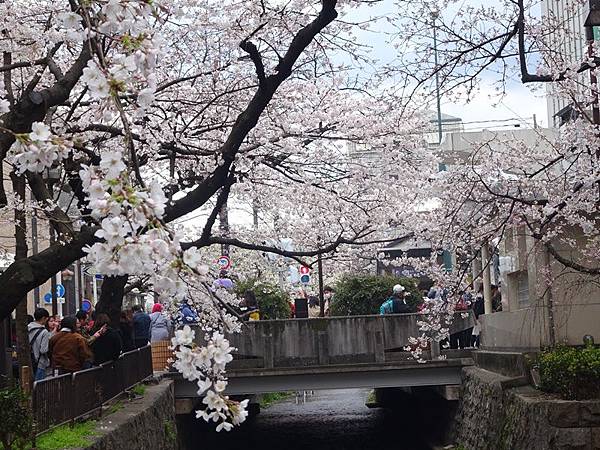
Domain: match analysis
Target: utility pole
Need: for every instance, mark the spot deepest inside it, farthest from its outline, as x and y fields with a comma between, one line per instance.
x=434, y=16
x=321, y=295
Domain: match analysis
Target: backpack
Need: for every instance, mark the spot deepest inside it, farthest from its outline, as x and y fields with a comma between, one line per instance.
x=35, y=361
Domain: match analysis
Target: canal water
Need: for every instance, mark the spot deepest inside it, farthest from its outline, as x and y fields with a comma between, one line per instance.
x=328, y=420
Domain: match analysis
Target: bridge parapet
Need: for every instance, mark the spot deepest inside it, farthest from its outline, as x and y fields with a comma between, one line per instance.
x=329, y=341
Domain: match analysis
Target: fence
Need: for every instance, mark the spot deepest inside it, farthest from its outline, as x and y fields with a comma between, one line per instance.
x=63, y=398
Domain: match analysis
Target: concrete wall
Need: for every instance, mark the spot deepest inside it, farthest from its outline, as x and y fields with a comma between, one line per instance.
x=494, y=415
x=332, y=340
x=571, y=300
x=144, y=424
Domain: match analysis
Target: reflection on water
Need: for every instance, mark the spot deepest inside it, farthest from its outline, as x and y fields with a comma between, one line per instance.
x=332, y=420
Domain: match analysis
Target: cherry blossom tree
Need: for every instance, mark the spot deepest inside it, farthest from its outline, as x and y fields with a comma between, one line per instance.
x=153, y=111
x=161, y=115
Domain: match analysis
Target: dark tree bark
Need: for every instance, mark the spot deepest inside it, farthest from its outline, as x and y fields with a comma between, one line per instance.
x=111, y=298
x=23, y=348
x=25, y=274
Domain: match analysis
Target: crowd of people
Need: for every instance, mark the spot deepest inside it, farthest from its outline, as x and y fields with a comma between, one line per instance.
x=399, y=303
x=85, y=339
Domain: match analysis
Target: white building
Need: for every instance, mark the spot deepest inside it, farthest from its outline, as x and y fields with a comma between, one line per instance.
x=569, y=44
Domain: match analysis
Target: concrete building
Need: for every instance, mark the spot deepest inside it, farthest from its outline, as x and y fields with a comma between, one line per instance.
x=536, y=312
x=568, y=45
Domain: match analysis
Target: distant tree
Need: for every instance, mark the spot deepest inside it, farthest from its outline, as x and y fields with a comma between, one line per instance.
x=364, y=294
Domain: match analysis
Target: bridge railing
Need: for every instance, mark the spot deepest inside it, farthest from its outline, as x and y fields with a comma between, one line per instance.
x=63, y=398
x=331, y=340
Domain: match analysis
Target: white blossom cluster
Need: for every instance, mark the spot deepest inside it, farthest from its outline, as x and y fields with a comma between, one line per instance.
x=206, y=366
x=130, y=25
x=38, y=150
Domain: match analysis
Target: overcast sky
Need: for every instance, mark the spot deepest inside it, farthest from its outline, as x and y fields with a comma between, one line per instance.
x=518, y=104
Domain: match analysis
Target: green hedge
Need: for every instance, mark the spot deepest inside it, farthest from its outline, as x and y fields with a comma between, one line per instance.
x=15, y=419
x=364, y=294
x=573, y=373
x=272, y=301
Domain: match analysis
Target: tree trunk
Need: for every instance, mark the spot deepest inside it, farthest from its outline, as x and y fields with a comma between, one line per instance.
x=111, y=298
x=24, y=352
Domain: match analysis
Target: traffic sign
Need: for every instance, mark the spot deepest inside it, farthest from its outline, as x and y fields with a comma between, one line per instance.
x=48, y=298
x=224, y=262
x=60, y=290
x=305, y=279
x=86, y=305
x=304, y=270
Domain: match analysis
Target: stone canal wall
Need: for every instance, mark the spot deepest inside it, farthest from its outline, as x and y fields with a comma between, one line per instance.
x=147, y=423
x=496, y=414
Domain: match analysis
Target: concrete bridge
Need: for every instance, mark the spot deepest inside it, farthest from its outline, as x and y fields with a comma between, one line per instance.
x=335, y=352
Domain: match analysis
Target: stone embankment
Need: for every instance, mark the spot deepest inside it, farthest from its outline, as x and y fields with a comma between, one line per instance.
x=496, y=413
x=147, y=423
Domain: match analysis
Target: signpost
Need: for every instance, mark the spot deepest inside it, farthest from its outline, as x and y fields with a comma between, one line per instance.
x=224, y=262
x=304, y=275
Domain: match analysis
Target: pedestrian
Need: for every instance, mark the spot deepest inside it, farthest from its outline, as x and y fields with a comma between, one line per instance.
x=53, y=325
x=328, y=294
x=126, y=332
x=108, y=346
x=478, y=311
x=187, y=315
x=82, y=323
x=496, y=299
x=223, y=281
x=39, y=338
x=160, y=326
x=396, y=304
x=68, y=350
x=141, y=327
x=250, y=304
x=314, y=307
x=462, y=339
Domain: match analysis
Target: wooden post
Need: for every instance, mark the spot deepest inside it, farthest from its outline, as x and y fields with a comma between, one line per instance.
x=25, y=379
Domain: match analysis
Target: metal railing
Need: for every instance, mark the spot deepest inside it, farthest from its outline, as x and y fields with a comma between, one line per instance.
x=59, y=399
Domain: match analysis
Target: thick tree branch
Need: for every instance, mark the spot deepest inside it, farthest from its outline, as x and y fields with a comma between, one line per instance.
x=24, y=275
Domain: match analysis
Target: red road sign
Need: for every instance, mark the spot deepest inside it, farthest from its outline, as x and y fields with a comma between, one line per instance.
x=224, y=262
x=304, y=270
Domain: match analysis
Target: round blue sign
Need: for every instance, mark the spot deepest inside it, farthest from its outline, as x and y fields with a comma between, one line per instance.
x=86, y=305
x=60, y=290
x=305, y=279
x=48, y=297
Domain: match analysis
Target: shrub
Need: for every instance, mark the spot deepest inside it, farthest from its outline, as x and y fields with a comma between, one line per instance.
x=573, y=373
x=364, y=294
x=272, y=301
x=15, y=419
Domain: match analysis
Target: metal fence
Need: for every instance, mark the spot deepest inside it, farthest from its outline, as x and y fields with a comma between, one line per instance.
x=63, y=398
